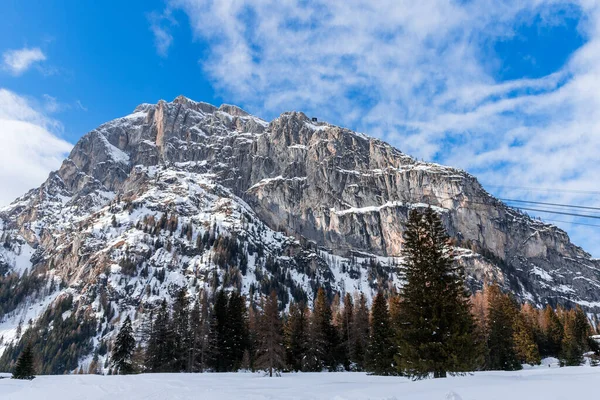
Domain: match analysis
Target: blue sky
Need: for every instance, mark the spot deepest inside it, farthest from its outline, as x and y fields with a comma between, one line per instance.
x=509, y=91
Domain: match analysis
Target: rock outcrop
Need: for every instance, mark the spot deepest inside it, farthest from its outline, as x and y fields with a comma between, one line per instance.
x=143, y=203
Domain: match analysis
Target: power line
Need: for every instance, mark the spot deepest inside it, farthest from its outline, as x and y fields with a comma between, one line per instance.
x=560, y=212
x=533, y=209
x=551, y=204
x=545, y=189
x=569, y=222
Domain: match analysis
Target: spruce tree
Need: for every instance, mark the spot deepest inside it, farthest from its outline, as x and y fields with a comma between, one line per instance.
x=195, y=337
x=24, y=368
x=380, y=352
x=123, y=349
x=500, y=342
x=437, y=334
x=220, y=355
x=296, y=336
x=206, y=346
x=181, y=331
x=270, y=352
x=346, y=334
x=236, y=331
x=320, y=354
x=360, y=334
x=160, y=355
x=575, y=338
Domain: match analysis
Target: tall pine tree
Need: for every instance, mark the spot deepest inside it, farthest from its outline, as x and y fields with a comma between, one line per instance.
x=296, y=336
x=123, y=349
x=437, y=333
x=321, y=351
x=24, y=368
x=500, y=341
x=381, y=350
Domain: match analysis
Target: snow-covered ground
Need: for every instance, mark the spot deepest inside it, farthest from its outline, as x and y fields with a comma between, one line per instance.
x=532, y=384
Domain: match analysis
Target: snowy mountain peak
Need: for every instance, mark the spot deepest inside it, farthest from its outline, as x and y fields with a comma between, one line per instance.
x=184, y=193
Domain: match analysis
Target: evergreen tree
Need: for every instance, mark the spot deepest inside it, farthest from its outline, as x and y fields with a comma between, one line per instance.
x=346, y=334
x=380, y=353
x=296, y=336
x=160, y=355
x=437, y=333
x=123, y=349
x=322, y=341
x=575, y=338
x=270, y=352
x=500, y=342
x=181, y=331
x=195, y=337
x=360, y=334
x=206, y=346
x=24, y=368
x=219, y=359
x=236, y=328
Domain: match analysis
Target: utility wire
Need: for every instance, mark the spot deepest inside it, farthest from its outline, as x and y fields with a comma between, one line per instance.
x=545, y=189
x=551, y=204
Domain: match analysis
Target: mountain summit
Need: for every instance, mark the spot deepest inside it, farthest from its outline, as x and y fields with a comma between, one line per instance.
x=184, y=193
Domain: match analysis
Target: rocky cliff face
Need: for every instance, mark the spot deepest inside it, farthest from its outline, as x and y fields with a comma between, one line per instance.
x=188, y=194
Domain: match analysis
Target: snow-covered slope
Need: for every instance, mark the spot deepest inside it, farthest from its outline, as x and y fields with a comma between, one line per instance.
x=188, y=194
x=542, y=383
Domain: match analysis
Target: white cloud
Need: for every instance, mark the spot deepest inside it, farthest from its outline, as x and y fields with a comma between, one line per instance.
x=30, y=146
x=162, y=35
x=419, y=75
x=19, y=61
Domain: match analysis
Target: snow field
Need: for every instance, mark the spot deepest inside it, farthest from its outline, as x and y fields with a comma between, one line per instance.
x=538, y=383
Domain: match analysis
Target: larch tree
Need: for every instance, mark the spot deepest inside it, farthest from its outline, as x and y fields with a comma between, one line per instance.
x=437, y=333
x=552, y=331
x=270, y=351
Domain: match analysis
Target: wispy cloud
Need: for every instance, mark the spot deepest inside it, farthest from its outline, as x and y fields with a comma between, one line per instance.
x=160, y=27
x=30, y=145
x=19, y=61
x=417, y=74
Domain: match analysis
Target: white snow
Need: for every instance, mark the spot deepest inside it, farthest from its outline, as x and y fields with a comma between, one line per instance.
x=538, y=383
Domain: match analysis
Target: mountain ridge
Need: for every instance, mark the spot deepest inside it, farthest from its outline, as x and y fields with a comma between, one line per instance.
x=185, y=193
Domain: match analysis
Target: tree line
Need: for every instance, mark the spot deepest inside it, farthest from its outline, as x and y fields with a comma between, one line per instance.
x=431, y=328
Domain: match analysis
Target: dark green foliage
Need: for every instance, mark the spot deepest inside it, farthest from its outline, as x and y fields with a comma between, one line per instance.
x=160, y=355
x=437, y=332
x=14, y=288
x=181, y=332
x=346, y=332
x=59, y=343
x=123, y=349
x=360, y=334
x=24, y=368
x=322, y=337
x=381, y=350
x=236, y=331
x=500, y=341
x=296, y=336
